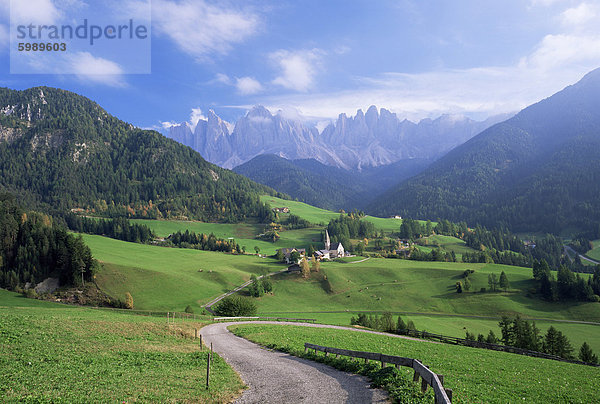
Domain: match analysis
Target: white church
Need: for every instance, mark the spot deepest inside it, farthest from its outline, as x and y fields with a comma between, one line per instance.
x=331, y=251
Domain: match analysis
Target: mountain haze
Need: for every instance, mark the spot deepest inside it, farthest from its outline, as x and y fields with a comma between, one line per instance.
x=371, y=139
x=325, y=186
x=538, y=171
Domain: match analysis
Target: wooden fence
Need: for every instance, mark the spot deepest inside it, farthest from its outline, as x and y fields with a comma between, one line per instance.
x=486, y=345
x=442, y=395
x=297, y=320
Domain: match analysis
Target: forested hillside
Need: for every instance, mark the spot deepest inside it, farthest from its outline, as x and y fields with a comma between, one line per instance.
x=538, y=171
x=325, y=186
x=32, y=249
x=61, y=151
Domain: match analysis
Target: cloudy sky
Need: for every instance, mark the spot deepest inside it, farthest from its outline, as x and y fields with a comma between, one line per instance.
x=418, y=58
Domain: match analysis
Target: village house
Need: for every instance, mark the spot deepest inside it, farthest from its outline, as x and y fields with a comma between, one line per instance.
x=281, y=210
x=287, y=253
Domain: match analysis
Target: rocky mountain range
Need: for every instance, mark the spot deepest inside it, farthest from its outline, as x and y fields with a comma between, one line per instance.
x=371, y=139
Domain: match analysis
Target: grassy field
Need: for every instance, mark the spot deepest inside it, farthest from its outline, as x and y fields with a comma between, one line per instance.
x=322, y=216
x=243, y=234
x=413, y=286
x=56, y=353
x=595, y=252
x=456, y=326
x=474, y=375
x=448, y=243
x=161, y=278
x=426, y=288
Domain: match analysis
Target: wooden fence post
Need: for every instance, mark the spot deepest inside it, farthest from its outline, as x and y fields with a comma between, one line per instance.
x=416, y=376
x=424, y=385
x=208, y=359
x=201, y=344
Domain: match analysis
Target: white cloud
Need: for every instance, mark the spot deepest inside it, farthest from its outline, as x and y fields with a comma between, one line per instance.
x=477, y=92
x=564, y=50
x=168, y=125
x=559, y=59
x=195, y=116
x=34, y=12
x=222, y=78
x=90, y=68
x=247, y=85
x=579, y=16
x=298, y=68
x=201, y=29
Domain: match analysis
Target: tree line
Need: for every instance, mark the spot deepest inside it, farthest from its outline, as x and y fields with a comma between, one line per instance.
x=352, y=225
x=567, y=286
x=521, y=333
x=201, y=241
x=119, y=228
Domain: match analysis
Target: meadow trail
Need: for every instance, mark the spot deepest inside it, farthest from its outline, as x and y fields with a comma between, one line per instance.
x=208, y=306
x=276, y=377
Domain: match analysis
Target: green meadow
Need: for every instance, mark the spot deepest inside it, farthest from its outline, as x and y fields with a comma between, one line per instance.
x=56, y=353
x=161, y=278
x=415, y=286
x=595, y=252
x=242, y=233
x=322, y=216
x=426, y=290
x=474, y=375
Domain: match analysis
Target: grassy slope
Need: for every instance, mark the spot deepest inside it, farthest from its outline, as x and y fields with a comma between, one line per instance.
x=474, y=375
x=412, y=286
x=168, y=278
x=426, y=287
x=56, y=353
x=595, y=252
x=241, y=232
x=318, y=215
x=456, y=326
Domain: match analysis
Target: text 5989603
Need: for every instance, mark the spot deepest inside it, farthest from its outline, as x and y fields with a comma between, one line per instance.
x=42, y=47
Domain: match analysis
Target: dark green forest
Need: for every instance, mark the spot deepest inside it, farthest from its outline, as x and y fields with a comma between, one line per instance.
x=62, y=151
x=33, y=249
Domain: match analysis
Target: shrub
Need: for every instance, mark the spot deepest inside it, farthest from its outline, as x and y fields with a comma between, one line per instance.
x=234, y=305
x=128, y=301
x=188, y=309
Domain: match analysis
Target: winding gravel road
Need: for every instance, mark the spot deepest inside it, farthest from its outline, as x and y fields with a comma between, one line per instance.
x=276, y=377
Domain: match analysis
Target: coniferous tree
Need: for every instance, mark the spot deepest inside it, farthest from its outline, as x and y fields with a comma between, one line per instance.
x=503, y=282
x=587, y=355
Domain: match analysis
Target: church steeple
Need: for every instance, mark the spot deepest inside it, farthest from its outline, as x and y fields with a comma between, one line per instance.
x=327, y=241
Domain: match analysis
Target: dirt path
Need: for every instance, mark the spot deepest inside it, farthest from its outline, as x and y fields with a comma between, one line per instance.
x=583, y=257
x=276, y=377
x=208, y=306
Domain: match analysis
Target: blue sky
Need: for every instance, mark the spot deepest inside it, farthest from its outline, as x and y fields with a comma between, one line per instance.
x=317, y=59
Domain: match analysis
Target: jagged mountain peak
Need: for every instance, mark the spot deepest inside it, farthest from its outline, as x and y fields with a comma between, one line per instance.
x=377, y=137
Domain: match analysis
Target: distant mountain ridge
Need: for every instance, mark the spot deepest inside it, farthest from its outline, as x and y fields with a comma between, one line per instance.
x=538, y=171
x=370, y=139
x=325, y=186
